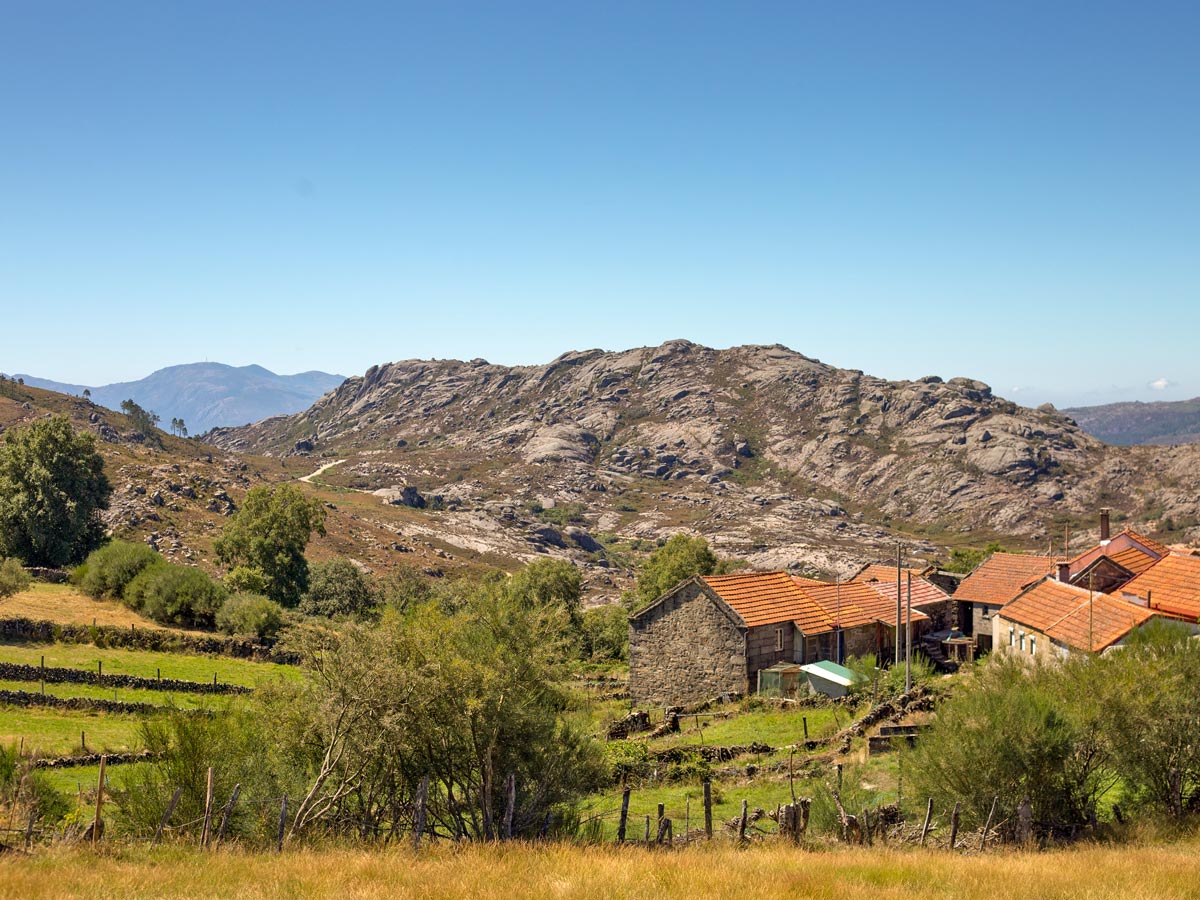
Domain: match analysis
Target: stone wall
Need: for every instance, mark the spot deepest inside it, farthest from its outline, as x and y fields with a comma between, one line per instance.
x=685, y=649
x=760, y=648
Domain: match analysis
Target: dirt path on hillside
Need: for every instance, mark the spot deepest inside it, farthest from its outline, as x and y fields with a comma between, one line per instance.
x=307, y=479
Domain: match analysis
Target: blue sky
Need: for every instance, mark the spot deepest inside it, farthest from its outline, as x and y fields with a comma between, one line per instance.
x=1007, y=191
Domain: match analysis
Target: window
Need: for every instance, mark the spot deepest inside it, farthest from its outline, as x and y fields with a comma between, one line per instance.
x=1032, y=644
x=1012, y=636
x=778, y=638
x=1022, y=642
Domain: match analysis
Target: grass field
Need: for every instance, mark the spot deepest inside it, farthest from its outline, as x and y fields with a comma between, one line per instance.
x=514, y=871
x=145, y=663
x=55, y=732
x=65, y=605
x=125, y=695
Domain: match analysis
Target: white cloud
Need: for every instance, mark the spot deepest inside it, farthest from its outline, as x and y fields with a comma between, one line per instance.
x=1160, y=384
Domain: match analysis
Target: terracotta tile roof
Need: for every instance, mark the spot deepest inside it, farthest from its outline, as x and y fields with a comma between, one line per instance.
x=1001, y=577
x=1134, y=559
x=924, y=592
x=1172, y=586
x=861, y=603
x=762, y=598
x=1120, y=545
x=885, y=572
x=1060, y=611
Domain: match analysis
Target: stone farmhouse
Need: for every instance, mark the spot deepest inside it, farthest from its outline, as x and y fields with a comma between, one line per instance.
x=712, y=635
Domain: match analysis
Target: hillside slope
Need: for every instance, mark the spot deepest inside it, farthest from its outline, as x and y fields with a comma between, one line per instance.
x=206, y=395
x=776, y=457
x=1167, y=422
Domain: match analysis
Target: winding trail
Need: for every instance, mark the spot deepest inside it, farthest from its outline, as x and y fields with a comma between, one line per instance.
x=307, y=479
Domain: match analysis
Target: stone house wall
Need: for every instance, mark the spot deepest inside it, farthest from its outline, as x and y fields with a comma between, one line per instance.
x=761, y=652
x=685, y=648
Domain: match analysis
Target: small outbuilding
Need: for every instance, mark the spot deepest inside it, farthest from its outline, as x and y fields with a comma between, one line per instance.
x=830, y=679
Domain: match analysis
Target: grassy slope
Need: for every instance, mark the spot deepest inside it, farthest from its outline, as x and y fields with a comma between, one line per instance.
x=55, y=732
x=146, y=663
x=718, y=871
x=64, y=605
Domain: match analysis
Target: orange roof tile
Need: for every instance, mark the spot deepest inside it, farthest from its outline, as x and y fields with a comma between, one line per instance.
x=856, y=603
x=1121, y=543
x=1061, y=611
x=1134, y=559
x=762, y=598
x=886, y=572
x=1171, y=585
x=923, y=592
x=1001, y=577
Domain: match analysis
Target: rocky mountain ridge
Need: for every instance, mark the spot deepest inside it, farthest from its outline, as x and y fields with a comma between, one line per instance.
x=1162, y=422
x=776, y=457
x=206, y=395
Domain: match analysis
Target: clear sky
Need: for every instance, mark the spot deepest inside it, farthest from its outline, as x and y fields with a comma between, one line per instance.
x=1009, y=191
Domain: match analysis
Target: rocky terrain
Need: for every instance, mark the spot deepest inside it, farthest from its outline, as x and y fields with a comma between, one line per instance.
x=1169, y=422
x=777, y=458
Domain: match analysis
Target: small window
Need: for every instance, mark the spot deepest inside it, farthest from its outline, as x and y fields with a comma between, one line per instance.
x=1022, y=641
x=984, y=610
x=1012, y=636
x=778, y=638
x=1032, y=644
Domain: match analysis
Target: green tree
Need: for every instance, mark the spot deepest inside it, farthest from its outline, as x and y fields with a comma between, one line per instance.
x=339, y=589
x=679, y=558
x=966, y=560
x=250, y=615
x=145, y=422
x=552, y=584
x=52, y=489
x=13, y=577
x=269, y=533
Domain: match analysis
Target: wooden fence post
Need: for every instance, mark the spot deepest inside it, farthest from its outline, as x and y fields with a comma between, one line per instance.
x=1024, y=821
x=510, y=804
x=742, y=821
x=208, y=799
x=624, y=820
x=166, y=816
x=29, y=828
x=225, y=813
x=988, y=825
x=804, y=720
x=687, y=819
x=658, y=820
x=954, y=825
x=282, y=823
x=928, y=819
x=419, y=818
x=708, y=810
x=96, y=826
x=864, y=833
x=647, y=841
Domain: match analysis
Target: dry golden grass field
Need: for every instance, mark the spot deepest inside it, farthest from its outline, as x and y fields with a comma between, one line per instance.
x=514, y=871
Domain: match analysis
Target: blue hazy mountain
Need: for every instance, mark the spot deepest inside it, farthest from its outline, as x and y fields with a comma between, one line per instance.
x=208, y=394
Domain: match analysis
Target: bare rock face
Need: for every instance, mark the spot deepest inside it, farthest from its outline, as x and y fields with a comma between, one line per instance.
x=773, y=456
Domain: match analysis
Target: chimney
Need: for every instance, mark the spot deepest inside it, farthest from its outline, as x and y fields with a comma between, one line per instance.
x=1104, y=532
x=1064, y=572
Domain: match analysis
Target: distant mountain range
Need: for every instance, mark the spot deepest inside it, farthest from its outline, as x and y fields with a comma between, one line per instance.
x=207, y=395
x=1168, y=422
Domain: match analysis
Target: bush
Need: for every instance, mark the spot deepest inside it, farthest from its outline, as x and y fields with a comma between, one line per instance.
x=107, y=571
x=13, y=577
x=604, y=633
x=339, y=589
x=245, y=580
x=250, y=615
x=176, y=595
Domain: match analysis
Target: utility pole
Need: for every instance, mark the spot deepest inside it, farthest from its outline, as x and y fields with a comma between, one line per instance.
x=837, y=623
x=1091, y=637
x=899, y=611
x=908, y=640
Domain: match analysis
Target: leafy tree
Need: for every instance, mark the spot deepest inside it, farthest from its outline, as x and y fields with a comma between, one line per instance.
x=269, y=533
x=13, y=577
x=176, y=595
x=108, y=570
x=87, y=395
x=552, y=584
x=52, y=488
x=679, y=558
x=251, y=615
x=966, y=560
x=144, y=421
x=604, y=633
x=339, y=589
x=245, y=580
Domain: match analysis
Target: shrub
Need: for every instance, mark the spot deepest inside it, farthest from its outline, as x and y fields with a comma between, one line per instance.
x=339, y=589
x=176, y=595
x=246, y=580
x=250, y=614
x=604, y=633
x=13, y=577
x=107, y=571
